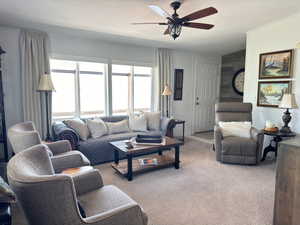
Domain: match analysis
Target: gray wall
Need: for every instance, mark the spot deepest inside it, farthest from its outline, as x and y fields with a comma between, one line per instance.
x=231, y=63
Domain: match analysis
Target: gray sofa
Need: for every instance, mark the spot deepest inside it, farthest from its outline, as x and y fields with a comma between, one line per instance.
x=232, y=149
x=100, y=150
x=59, y=199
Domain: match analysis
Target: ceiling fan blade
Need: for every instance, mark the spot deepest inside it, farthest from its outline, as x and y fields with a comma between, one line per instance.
x=200, y=14
x=149, y=23
x=199, y=25
x=167, y=31
x=160, y=11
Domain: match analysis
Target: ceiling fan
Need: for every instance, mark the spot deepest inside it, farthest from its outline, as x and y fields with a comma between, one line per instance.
x=175, y=23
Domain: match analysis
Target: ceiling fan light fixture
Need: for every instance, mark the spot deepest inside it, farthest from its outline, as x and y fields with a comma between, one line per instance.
x=175, y=30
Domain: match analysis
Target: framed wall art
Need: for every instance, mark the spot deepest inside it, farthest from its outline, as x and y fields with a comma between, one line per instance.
x=270, y=93
x=178, y=84
x=275, y=65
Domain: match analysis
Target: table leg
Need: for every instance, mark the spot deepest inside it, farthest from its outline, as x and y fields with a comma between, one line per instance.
x=177, y=162
x=116, y=156
x=160, y=153
x=183, y=132
x=129, y=168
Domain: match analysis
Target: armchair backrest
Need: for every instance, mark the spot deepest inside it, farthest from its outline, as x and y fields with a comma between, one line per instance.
x=45, y=197
x=233, y=111
x=23, y=136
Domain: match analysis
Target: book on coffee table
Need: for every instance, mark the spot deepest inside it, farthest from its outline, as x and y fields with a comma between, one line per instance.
x=148, y=162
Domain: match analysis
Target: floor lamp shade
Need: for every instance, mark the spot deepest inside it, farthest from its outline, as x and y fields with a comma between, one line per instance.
x=167, y=91
x=46, y=83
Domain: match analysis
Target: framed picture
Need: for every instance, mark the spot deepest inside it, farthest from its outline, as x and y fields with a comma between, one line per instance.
x=178, y=84
x=270, y=93
x=275, y=65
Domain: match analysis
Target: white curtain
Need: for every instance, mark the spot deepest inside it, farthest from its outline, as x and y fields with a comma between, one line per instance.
x=162, y=77
x=34, y=47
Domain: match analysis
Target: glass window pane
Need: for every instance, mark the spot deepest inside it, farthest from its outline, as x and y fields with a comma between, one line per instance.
x=92, y=95
x=62, y=65
x=119, y=94
x=142, y=93
x=63, y=99
x=91, y=66
x=121, y=69
x=142, y=70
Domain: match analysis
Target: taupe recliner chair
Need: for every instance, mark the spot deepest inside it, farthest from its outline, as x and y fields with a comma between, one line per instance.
x=24, y=135
x=233, y=149
x=57, y=199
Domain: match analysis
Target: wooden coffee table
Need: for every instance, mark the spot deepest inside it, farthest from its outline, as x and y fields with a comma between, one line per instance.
x=133, y=166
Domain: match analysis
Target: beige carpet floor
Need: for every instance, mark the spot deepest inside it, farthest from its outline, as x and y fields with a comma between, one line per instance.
x=201, y=192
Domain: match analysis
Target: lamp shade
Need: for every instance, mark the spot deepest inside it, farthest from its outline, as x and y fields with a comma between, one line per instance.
x=46, y=83
x=298, y=45
x=167, y=91
x=288, y=102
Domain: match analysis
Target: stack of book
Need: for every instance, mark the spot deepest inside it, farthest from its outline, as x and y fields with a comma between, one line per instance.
x=148, y=139
x=148, y=162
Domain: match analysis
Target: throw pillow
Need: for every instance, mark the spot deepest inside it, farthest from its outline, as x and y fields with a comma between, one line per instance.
x=238, y=129
x=153, y=120
x=80, y=127
x=138, y=123
x=97, y=128
x=117, y=127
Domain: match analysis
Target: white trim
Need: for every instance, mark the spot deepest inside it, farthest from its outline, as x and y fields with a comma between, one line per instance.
x=132, y=63
x=79, y=58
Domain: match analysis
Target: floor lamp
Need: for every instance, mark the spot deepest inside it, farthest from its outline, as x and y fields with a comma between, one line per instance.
x=167, y=92
x=47, y=87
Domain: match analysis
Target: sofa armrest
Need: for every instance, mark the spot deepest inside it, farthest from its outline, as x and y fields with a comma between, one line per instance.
x=71, y=159
x=87, y=181
x=63, y=132
x=130, y=213
x=167, y=126
x=218, y=137
x=258, y=136
x=59, y=147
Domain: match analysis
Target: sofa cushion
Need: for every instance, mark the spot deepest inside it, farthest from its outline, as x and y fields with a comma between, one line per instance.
x=153, y=120
x=239, y=146
x=97, y=127
x=118, y=127
x=138, y=123
x=80, y=127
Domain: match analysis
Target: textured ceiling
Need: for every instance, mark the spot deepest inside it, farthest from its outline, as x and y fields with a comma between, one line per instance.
x=111, y=20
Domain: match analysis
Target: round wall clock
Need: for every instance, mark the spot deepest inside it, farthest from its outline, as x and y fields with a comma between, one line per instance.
x=238, y=82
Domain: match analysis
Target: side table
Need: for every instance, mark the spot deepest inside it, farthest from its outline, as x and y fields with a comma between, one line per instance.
x=182, y=122
x=277, y=137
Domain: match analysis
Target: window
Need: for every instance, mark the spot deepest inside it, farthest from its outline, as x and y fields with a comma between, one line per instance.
x=80, y=89
x=142, y=88
x=83, y=89
x=120, y=88
x=131, y=88
x=63, y=99
x=92, y=89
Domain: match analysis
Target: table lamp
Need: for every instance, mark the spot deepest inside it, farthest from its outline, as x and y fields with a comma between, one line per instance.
x=47, y=87
x=288, y=102
x=167, y=92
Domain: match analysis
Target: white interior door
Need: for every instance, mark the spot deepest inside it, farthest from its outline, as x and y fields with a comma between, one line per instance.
x=206, y=95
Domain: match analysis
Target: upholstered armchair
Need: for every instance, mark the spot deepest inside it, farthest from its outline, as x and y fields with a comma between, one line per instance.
x=24, y=135
x=233, y=149
x=50, y=199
